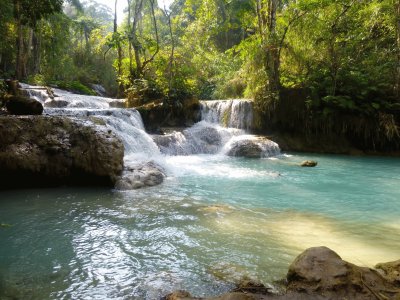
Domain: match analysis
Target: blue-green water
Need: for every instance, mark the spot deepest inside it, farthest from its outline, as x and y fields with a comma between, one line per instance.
x=214, y=220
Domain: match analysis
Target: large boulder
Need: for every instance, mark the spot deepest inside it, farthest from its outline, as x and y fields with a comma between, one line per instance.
x=53, y=150
x=139, y=176
x=18, y=105
x=252, y=147
x=320, y=271
x=245, y=148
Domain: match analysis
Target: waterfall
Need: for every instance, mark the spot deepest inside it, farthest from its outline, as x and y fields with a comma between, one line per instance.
x=201, y=138
x=222, y=130
x=126, y=123
x=144, y=154
x=229, y=113
x=59, y=98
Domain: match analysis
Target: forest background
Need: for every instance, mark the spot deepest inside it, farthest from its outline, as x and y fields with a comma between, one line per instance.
x=312, y=67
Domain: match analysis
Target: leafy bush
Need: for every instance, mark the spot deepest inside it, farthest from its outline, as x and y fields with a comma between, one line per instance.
x=76, y=87
x=37, y=79
x=143, y=91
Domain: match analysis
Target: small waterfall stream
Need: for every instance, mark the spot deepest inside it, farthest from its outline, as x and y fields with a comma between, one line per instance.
x=236, y=113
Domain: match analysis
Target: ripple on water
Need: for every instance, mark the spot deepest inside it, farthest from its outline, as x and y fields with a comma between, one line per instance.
x=214, y=220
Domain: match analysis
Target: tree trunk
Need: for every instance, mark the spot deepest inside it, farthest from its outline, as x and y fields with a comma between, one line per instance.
x=20, y=40
x=36, y=42
x=147, y=61
x=135, y=41
x=272, y=62
x=27, y=53
x=119, y=50
x=171, y=57
x=130, y=38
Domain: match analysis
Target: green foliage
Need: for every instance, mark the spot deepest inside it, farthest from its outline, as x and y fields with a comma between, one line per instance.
x=75, y=86
x=37, y=79
x=342, y=55
x=142, y=91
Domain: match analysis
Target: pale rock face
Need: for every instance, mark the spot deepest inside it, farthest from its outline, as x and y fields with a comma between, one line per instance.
x=54, y=150
x=251, y=147
x=139, y=176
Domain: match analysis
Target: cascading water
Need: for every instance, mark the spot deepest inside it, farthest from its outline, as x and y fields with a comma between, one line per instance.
x=126, y=123
x=205, y=137
x=140, y=150
x=236, y=113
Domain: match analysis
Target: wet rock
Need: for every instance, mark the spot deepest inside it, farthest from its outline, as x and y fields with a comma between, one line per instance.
x=49, y=150
x=178, y=295
x=117, y=103
x=251, y=286
x=139, y=176
x=197, y=139
x=390, y=271
x=18, y=105
x=252, y=147
x=245, y=148
x=309, y=163
x=99, y=90
x=56, y=103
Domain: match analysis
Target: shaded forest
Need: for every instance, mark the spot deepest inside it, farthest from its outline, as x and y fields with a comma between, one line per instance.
x=313, y=68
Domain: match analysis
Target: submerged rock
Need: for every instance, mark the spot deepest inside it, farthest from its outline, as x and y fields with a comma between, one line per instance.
x=143, y=175
x=52, y=150
x=178, y=295
x=309, y=163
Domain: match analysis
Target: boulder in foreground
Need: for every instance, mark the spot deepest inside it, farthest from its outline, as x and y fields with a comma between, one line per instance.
x=320, y=274
x=18, y=105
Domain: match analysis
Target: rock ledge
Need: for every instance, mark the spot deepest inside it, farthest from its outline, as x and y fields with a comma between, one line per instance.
x=40, y=151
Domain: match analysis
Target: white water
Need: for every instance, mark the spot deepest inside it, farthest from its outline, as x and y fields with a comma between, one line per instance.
x=205, y=137
x=236, y=113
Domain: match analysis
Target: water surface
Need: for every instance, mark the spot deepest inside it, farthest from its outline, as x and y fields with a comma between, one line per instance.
x=213, y=221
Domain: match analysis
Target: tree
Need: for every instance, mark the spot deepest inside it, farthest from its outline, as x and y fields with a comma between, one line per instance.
x=27, y=14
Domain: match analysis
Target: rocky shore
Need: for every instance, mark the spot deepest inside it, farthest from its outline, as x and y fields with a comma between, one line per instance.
x=319, y=273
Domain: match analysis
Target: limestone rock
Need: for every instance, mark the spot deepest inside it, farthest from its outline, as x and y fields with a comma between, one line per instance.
x=252, y=147
x=320, y=271
x=50, y=150
x=309, y=163
x=17, y=105
x=390, y=271
x=56, y=103
x=178, y=295
x=245, y=148
x=139, y=176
